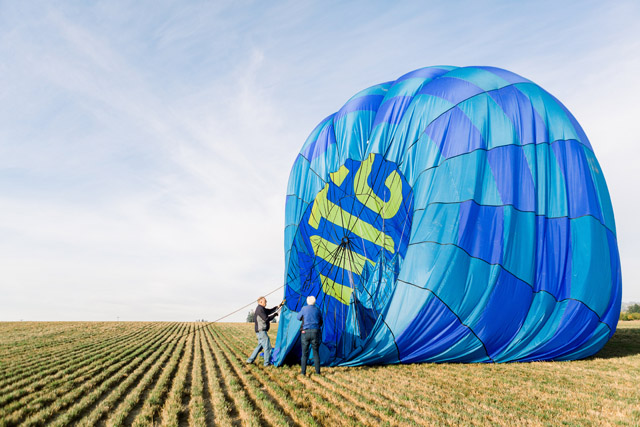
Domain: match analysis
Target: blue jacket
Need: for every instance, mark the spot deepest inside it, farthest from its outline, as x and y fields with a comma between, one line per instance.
x=311, y=316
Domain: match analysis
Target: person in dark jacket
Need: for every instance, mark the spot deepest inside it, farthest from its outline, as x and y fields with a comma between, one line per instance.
x=311, y=317
x=261, y=318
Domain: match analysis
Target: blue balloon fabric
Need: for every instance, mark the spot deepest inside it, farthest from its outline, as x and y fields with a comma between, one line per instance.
x=456, y=214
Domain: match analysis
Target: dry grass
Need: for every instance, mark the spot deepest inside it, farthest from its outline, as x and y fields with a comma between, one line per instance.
x=148, y=373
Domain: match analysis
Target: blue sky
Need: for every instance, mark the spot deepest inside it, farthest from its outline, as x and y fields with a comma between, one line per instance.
x=145, y=147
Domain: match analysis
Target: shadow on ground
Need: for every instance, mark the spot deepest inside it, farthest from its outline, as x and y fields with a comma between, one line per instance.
x=625, y=342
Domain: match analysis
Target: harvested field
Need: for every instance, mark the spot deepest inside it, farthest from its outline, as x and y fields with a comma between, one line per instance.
x=120, y=373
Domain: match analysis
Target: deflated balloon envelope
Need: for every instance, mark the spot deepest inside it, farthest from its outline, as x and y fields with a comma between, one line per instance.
x=451, y=215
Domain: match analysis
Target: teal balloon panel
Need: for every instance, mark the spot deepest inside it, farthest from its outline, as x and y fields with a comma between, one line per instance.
x=451, y=215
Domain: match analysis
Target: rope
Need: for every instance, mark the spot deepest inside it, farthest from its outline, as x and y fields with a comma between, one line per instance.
x=248, y=305
x=223, y=317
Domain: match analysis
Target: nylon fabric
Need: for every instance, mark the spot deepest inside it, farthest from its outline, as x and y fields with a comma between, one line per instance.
x=456, y=214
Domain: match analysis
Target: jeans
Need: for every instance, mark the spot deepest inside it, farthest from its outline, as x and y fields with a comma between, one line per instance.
x=263, y=344
x=310, y=336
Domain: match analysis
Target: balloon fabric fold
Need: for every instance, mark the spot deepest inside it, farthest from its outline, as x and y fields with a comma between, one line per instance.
x=456, y=214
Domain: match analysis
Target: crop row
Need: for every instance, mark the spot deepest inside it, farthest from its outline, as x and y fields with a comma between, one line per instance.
x=46, y=365
x=49, y=374
x=53, y=342
x=47, y=397
x=179, y=374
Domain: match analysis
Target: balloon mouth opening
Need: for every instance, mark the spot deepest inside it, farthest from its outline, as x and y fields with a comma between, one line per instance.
x=345, y=241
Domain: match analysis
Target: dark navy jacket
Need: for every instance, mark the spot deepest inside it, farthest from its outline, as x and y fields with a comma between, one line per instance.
x=312, y=317
x=262, y=317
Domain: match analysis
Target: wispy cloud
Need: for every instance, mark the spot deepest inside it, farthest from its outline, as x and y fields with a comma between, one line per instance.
x=144, y=152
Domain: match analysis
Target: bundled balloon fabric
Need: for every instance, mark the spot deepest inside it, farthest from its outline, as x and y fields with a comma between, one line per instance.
x=451, y=215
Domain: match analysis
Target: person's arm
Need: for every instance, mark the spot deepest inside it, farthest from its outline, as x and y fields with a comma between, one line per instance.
x=301, y=317
x=272, y=309
x=276, y=308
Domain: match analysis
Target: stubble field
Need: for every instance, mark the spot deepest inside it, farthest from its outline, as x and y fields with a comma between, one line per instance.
x=120, y=373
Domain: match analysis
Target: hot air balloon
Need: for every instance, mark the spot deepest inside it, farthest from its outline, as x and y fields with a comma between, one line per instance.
x=456, y=214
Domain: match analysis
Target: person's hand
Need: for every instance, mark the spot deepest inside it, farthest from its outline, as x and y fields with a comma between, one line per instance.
x=282, y=303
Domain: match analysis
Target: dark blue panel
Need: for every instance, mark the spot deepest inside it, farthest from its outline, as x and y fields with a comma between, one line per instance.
x=452, y=89
x=454, y=133
x=424, y=73
x=480, y=231
x=504, y=313
x=553, y=256
x=433, y=331
x=365, y=317
x=392, y=110
x=527, y=122
x=505, y=75
x=363, y=103
x=581, y=192
x=575, y=328
x=612, y=314
x=334, y=323
x=326, y=137
x=295, y=301
x=513, y=177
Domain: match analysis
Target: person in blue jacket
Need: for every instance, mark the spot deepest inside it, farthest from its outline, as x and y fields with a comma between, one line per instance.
x=311, y=333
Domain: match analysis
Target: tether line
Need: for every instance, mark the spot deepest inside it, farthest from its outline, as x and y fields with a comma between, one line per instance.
x=223, y=317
